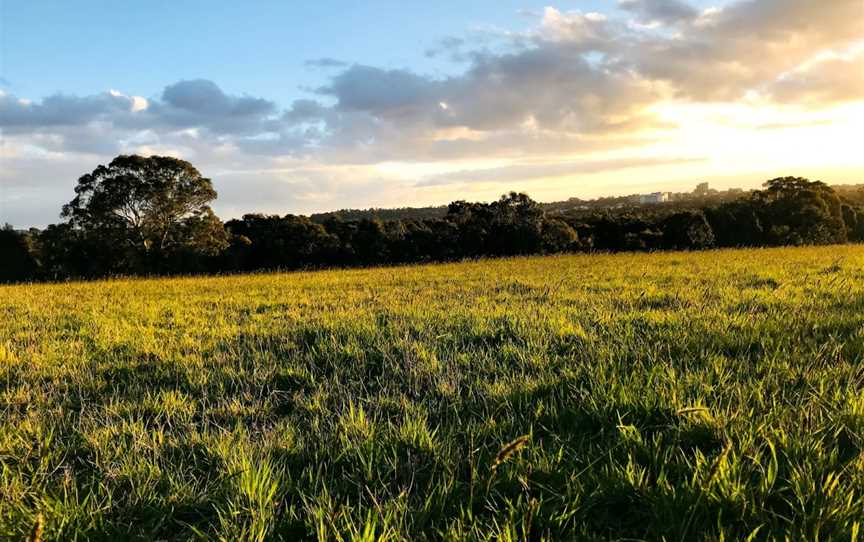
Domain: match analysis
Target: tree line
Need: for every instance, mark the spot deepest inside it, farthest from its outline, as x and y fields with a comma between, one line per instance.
x=152, y=216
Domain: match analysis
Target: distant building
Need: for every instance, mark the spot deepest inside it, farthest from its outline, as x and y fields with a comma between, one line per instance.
x=702, y=189
x=656, y=197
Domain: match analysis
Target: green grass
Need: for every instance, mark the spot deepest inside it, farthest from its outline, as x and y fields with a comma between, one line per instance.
x=704, y=396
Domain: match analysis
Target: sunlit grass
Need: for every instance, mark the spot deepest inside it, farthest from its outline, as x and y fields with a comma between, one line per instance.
x=704, y=396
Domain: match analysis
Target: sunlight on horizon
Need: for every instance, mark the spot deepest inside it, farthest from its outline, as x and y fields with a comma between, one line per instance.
x=599, y=99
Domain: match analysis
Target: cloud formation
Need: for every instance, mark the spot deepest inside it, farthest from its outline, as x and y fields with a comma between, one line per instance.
x=326, y=62
x=17, y=114
x=202, y=104
x=575, y=85
x=578, y=74
x=830, y=80
x=724, y=54
x=660, y=11
x=536, y=171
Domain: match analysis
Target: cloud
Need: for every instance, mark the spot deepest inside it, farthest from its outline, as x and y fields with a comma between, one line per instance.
x=533, y=171
x=662, y=11
x=299, y=188
x=575, y=75
x=204, y=97
x=725, y=53
x=825, y=81
x=305, y=111
x=450, y=45
x=379, y=91
x=548, y=86
x=586, y=73
x=574, y=84
x=201, y=103
x=61, y=110
x=580, y=32
x=325, y=62
x=30, y=193
x=183, y=105
x=793, y=125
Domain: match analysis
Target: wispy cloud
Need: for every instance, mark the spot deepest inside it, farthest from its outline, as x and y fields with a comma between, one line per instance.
x=533, y=171
x=326, y=62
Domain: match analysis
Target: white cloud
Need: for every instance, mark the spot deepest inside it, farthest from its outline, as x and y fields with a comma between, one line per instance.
x=574, y=85
x=660, y=11
x=831, y=78
x=532, y=171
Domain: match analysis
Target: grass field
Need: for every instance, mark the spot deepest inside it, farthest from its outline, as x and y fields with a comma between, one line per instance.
x=703, y=396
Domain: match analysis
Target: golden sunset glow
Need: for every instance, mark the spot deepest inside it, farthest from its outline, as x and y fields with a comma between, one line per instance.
x=383, y=271
x=640, y=96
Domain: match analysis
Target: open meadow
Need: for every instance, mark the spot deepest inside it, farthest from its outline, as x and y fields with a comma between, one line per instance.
x=672, y=396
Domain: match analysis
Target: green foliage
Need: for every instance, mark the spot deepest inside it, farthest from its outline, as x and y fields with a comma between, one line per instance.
x=281, y=242
x=145, y=216
x=559, y=236
x=801, y=212
x=18, y=263
x=681, y=396
x=687, y=230
x=149, y=209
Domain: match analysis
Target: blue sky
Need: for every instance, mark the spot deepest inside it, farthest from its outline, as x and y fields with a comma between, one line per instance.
x=87, y=46
x=575, y=98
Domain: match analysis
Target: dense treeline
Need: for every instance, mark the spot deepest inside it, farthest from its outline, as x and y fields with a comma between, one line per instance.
x=151, y=216
x=400, y=213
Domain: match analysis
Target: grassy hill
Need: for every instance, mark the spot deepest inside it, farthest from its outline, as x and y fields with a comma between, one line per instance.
x=702, y=396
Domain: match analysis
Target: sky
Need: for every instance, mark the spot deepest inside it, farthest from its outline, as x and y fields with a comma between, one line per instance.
x=299, y=107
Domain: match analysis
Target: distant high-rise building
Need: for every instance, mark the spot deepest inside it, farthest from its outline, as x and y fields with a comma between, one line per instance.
x=701, y=188
x=656, y=197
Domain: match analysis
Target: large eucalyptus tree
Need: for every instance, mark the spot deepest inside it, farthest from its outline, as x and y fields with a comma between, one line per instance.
x=155, y=206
